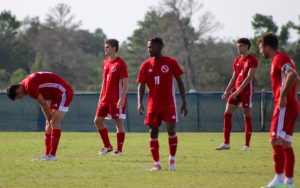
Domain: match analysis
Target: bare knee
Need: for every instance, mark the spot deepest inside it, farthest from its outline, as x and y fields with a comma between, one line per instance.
x=99, y=123
x=120, y=125
x=277, y=141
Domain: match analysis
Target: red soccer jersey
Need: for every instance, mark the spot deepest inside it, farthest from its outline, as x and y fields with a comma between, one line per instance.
x=112, y=75
x=279, y=62
x=241, y=67
x=159, y=76
x=49, y=85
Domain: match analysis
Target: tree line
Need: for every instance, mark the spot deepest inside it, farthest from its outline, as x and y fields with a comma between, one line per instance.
x=59, y=45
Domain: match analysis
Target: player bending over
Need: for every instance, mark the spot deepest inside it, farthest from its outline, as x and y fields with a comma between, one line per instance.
x=159, y=73
x=43, y=87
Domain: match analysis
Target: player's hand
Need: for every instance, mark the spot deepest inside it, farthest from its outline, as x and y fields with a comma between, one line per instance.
x=282, y=101
x=184, y=110
x=234, y=95
x=140, y=109
x=120, y=103
x=224, y=95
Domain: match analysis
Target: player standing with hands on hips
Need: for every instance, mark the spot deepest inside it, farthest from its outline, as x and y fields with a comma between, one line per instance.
x=159, y=73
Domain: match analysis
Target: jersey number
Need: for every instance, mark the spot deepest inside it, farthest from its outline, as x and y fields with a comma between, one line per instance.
x=156, y=80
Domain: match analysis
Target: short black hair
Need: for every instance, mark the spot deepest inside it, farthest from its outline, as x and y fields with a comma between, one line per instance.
x=269, y=39
x=157, y=40
x=244, y=41
x=114, y=43
x=11, y=91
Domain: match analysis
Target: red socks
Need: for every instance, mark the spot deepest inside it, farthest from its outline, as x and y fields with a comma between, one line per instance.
x=278, y=157
x=55, y=136
x=173, y=145
x=120, y=140
x=227, y=127
x=154, y=148
x=289, y=160
x=248, y=129
x=47, y=143
x=104, y=136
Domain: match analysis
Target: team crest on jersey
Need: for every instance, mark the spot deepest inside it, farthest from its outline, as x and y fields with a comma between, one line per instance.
x=164, y=69
x=246, y=64
x=150, y=70
x=113, y=69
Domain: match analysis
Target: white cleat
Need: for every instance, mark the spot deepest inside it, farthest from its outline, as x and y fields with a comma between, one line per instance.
x=39, y=158
x=49, y=158
x=223, y=147
x=105, y=151
x=246, y=148
x=155, y=167
x=289, y=183
x=116, y=153
x=172, y=165
x=275, y=183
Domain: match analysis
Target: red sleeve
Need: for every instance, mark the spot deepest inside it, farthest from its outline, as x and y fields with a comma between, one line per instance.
x=32, y=89
x=124, y=72
x=283, y=62
x=234, y=66
x=177, y=71
x=142, y=76
x=103, y=70
x=254, y=63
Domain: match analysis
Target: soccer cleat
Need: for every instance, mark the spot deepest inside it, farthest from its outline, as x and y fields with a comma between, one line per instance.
x=289, y=186
x=172, y=165
x=39, y=158
x=223, y=147
x=246, y=148
x=116, y=153
x=155, y=167
x=49, y=158
x=275, y=183
x=105, y=151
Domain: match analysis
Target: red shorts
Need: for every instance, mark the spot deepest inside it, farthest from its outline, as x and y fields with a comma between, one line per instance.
x=63, y=101
x=243, y=98
x=283, y=122
x=155, y=118
x=111, y=111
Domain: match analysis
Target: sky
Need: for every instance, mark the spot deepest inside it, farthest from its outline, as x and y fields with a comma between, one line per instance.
x=118, y=18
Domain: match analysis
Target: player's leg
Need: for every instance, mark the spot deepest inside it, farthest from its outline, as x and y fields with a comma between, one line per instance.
x=289, y=156
x=247, y=105
x=101, y=113
x=154, y=147
x=55, y=121
x=276, y=134
x=47, y=141
x=248, y=128
x=173, y=141
x=120, y=136
x=153, y=121
x=230, y=108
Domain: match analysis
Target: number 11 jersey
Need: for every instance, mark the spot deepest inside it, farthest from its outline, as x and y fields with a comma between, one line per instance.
x=159, y=75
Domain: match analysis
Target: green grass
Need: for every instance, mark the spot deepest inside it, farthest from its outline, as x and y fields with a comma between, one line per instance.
x=198, y=164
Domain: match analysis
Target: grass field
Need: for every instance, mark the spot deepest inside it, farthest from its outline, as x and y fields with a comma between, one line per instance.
x=198, y=164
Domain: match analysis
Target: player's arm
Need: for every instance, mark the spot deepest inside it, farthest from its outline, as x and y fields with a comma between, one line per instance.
x=124, y=91
x=230, y=85
x=250, y=76
x=291, y=77
x=141, y=93
x=45, y=107
x=182, y=94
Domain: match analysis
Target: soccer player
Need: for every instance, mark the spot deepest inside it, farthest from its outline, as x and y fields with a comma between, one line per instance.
x=43, y=87
x=112, y=100
x=159, y=73
x=241, y=88
x=284, y=78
